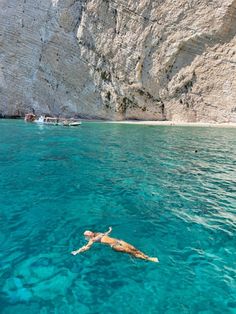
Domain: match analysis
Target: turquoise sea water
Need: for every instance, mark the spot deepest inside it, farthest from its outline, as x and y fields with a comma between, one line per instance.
x=150, y=185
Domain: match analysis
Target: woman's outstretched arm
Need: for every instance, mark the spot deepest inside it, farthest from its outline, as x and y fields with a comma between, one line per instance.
x=109, y=231
x=83, y=248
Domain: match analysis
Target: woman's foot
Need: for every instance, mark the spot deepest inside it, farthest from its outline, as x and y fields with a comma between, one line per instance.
x=74, y=252
x=153, y=259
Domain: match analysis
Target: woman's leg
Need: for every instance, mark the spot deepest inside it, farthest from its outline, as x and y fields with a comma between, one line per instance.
x=124, y=247
x=139, y=254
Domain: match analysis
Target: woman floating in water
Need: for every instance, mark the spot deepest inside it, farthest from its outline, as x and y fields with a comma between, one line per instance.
x=115, y=244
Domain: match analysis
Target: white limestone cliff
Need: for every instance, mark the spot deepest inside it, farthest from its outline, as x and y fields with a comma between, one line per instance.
x=116, y=59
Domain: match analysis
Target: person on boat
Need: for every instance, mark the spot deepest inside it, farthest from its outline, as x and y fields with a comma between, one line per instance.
x=115, y=244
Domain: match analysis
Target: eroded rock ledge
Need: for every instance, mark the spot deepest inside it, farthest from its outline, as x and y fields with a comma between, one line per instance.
x=146, y=59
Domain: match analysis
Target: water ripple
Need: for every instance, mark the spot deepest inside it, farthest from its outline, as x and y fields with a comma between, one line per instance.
x=170, y=191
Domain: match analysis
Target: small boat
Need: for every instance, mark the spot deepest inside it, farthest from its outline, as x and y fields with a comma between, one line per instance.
x=30, y=117
x=71, y=123
x=47, y=120
x=75, y=123
x=51, y=120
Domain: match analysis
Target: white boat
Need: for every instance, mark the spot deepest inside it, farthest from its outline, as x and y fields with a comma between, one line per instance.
x=74, y=123
x=47, y=120
x=71, y=123
x=51, y=120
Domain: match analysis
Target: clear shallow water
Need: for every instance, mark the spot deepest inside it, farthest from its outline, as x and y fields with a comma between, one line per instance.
x=150, y=185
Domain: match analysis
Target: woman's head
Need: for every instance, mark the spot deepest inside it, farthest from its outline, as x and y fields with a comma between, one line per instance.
x=89, y=234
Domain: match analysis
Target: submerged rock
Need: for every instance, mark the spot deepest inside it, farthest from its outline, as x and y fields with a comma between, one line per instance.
x=37, y=277
x=14, y=291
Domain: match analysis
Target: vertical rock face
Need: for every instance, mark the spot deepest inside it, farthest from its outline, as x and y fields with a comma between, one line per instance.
x=139, y=59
